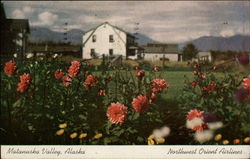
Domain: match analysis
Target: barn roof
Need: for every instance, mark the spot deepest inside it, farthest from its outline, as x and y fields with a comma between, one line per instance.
x=18, y=24
x=129, y=34
x=161, y=48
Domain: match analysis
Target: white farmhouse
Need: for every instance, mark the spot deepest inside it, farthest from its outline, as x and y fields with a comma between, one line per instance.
x=154, y=52
x=109, y=40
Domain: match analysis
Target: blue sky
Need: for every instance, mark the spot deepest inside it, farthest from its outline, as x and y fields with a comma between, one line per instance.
x=165, y=21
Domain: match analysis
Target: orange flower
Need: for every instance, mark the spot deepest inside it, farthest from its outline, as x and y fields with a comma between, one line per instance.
x=246, y=82
x=58, y=74
x=195, y=114
x=10, y=68
x=24, y=83
x=117, y=113
x=158, y=85
x=66, y=81
x=236, y=141
x=74, y=69
x=90, y=81
x=210, y=88
x=140, y=104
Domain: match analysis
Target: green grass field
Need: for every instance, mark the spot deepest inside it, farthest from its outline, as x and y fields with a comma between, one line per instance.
x=176, y=82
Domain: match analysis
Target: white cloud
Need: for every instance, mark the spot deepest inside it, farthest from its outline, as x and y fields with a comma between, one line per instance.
x=227, y=32
x=46, y=19
x=18, y=14
x=28, y=10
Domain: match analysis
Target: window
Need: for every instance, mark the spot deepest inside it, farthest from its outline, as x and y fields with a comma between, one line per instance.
x=92, y=52
x=111, y=38
x=110, y=52
x=94, y=38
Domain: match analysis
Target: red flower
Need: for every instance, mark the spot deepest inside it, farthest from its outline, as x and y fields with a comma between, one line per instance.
x=246, y=82
x=195, y=114
x=158, y=85
x=66, y=81
x=10, y=68
x=210, y=88
x=140, y=74
x=90, y=81
x=58, y=74
x=74, y=69
x=102, y=92
x=156, y=68
x=117, y=113
x=194, y=83
x=136, y=68
x=24, y=82
x=202, y=76
x=140, y=104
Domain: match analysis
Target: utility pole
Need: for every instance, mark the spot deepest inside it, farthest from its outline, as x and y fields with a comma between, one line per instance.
x=65, y=35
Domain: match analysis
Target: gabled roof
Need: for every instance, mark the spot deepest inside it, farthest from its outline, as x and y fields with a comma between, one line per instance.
x=161, y=48
x=18, y=24
x=129, y=34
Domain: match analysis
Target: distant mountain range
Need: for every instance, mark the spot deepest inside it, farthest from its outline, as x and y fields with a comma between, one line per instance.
x=205, y=43
x=234, y=43
x=40, y=34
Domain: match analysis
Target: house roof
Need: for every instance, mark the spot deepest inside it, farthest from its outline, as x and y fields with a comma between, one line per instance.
x=161, y=48
x=129, y=34
x=18, y=24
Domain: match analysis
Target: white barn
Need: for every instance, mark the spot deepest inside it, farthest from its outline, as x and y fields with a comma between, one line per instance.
x=204, y=56
x=154, y=52
x=109, y=40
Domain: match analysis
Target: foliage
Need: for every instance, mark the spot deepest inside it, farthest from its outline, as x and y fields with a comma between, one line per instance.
x=189, y=51
x=51, y=112
x=216, y=95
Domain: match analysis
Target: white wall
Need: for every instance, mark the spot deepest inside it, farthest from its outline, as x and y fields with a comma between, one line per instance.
x=157, y=56
x=203, y=56
x=102, y=44
x=19, y=39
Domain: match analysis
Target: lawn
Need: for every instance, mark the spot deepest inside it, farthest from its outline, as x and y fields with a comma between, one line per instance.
x=176, y=81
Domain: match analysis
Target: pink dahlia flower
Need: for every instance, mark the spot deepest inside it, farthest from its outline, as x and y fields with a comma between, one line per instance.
x=117, y=113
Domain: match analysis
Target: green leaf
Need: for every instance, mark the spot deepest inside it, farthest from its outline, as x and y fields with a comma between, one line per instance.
x=82, y=117
x=18, y=103
x=140, y=139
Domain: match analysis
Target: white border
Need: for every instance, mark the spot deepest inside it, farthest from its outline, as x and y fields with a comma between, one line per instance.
x=126, y=152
